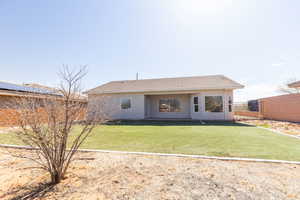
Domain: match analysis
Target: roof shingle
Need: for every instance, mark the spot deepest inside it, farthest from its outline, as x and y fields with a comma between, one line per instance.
x=167, y=84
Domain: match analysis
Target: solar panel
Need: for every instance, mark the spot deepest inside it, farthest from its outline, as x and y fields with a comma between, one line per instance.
x=20, y=88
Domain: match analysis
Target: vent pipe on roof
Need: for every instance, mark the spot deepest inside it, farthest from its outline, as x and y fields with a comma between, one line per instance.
x=137, y=76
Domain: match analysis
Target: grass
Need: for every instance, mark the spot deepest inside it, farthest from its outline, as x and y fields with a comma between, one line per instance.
x=214, y=139
x=265, y=125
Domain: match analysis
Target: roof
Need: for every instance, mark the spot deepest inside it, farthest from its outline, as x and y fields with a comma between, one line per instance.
x=77, y=96
x=39, y=86
x=24, y=89
x=167, y=85
x=282, y=97
x=295, y=84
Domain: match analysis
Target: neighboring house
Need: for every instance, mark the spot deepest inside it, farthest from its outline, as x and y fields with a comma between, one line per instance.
x=42, y=87
x=283, y=107
x=78, y=96
x=196, y=98
x=10, y=92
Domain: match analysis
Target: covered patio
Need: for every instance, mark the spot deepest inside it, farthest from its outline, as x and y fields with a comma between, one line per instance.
x=171, y=106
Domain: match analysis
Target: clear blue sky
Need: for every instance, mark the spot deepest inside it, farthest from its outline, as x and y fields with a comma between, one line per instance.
x=256, y=42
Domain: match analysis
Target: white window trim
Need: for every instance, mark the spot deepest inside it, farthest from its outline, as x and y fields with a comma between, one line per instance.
x=230, y=98
x=193, y=104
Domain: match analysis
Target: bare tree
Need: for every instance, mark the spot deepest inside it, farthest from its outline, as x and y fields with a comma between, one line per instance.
x=47, y=124
x=288, y=90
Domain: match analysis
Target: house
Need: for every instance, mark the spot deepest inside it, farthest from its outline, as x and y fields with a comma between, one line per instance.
x=10, y=92
x=282, y=107
x=195, y=98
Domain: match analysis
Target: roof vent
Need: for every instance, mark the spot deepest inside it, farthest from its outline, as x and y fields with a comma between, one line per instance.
x=137, y=76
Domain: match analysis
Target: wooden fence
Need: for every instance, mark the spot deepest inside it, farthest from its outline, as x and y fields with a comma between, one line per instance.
x=248, y=114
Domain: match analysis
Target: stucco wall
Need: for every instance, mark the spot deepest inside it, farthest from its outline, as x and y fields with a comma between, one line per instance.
x=147, y=106
x=109, y=106
x=284, y=107
x=152, y=107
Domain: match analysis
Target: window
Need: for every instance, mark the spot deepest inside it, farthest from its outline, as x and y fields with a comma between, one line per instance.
x=195, y=100
x=196, y=108
x=230, y=105
x=169, y=105
x=125, y=104
x=196, y=104
x=214, y=104
x=230, y=108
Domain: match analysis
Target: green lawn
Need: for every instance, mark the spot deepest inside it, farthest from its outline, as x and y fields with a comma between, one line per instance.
x=215, y=139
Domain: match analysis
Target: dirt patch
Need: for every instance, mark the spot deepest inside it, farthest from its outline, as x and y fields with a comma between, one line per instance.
x=285, y=127
x=115, y=176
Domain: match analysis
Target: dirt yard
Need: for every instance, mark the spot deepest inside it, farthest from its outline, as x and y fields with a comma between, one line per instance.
x=285, y=127
x=115, y=176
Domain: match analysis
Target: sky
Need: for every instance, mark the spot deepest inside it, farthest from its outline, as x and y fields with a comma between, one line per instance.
x=255, y=42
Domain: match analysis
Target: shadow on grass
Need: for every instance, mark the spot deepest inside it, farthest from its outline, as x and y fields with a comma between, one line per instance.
x=175, y=123
x=30, y=192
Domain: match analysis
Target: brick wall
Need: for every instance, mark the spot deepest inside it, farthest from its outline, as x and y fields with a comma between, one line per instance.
x=284, y=107
x=9, y=116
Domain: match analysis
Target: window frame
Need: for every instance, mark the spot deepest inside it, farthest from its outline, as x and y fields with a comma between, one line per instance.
x=230, y=104
x=196, y=104
x=169, y=103
x=222, y=97
x=121, y=103
x=197, y=100
x=230, y=108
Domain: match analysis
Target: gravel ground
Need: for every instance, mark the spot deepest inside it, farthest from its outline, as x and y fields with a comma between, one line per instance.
x=291, y=128
x=115, y=176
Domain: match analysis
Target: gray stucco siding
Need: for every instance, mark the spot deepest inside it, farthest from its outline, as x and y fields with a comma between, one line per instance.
x=147, y=106
x=110, y=106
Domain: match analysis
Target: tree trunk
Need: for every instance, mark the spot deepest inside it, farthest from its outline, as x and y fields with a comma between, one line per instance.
x=56, y=178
